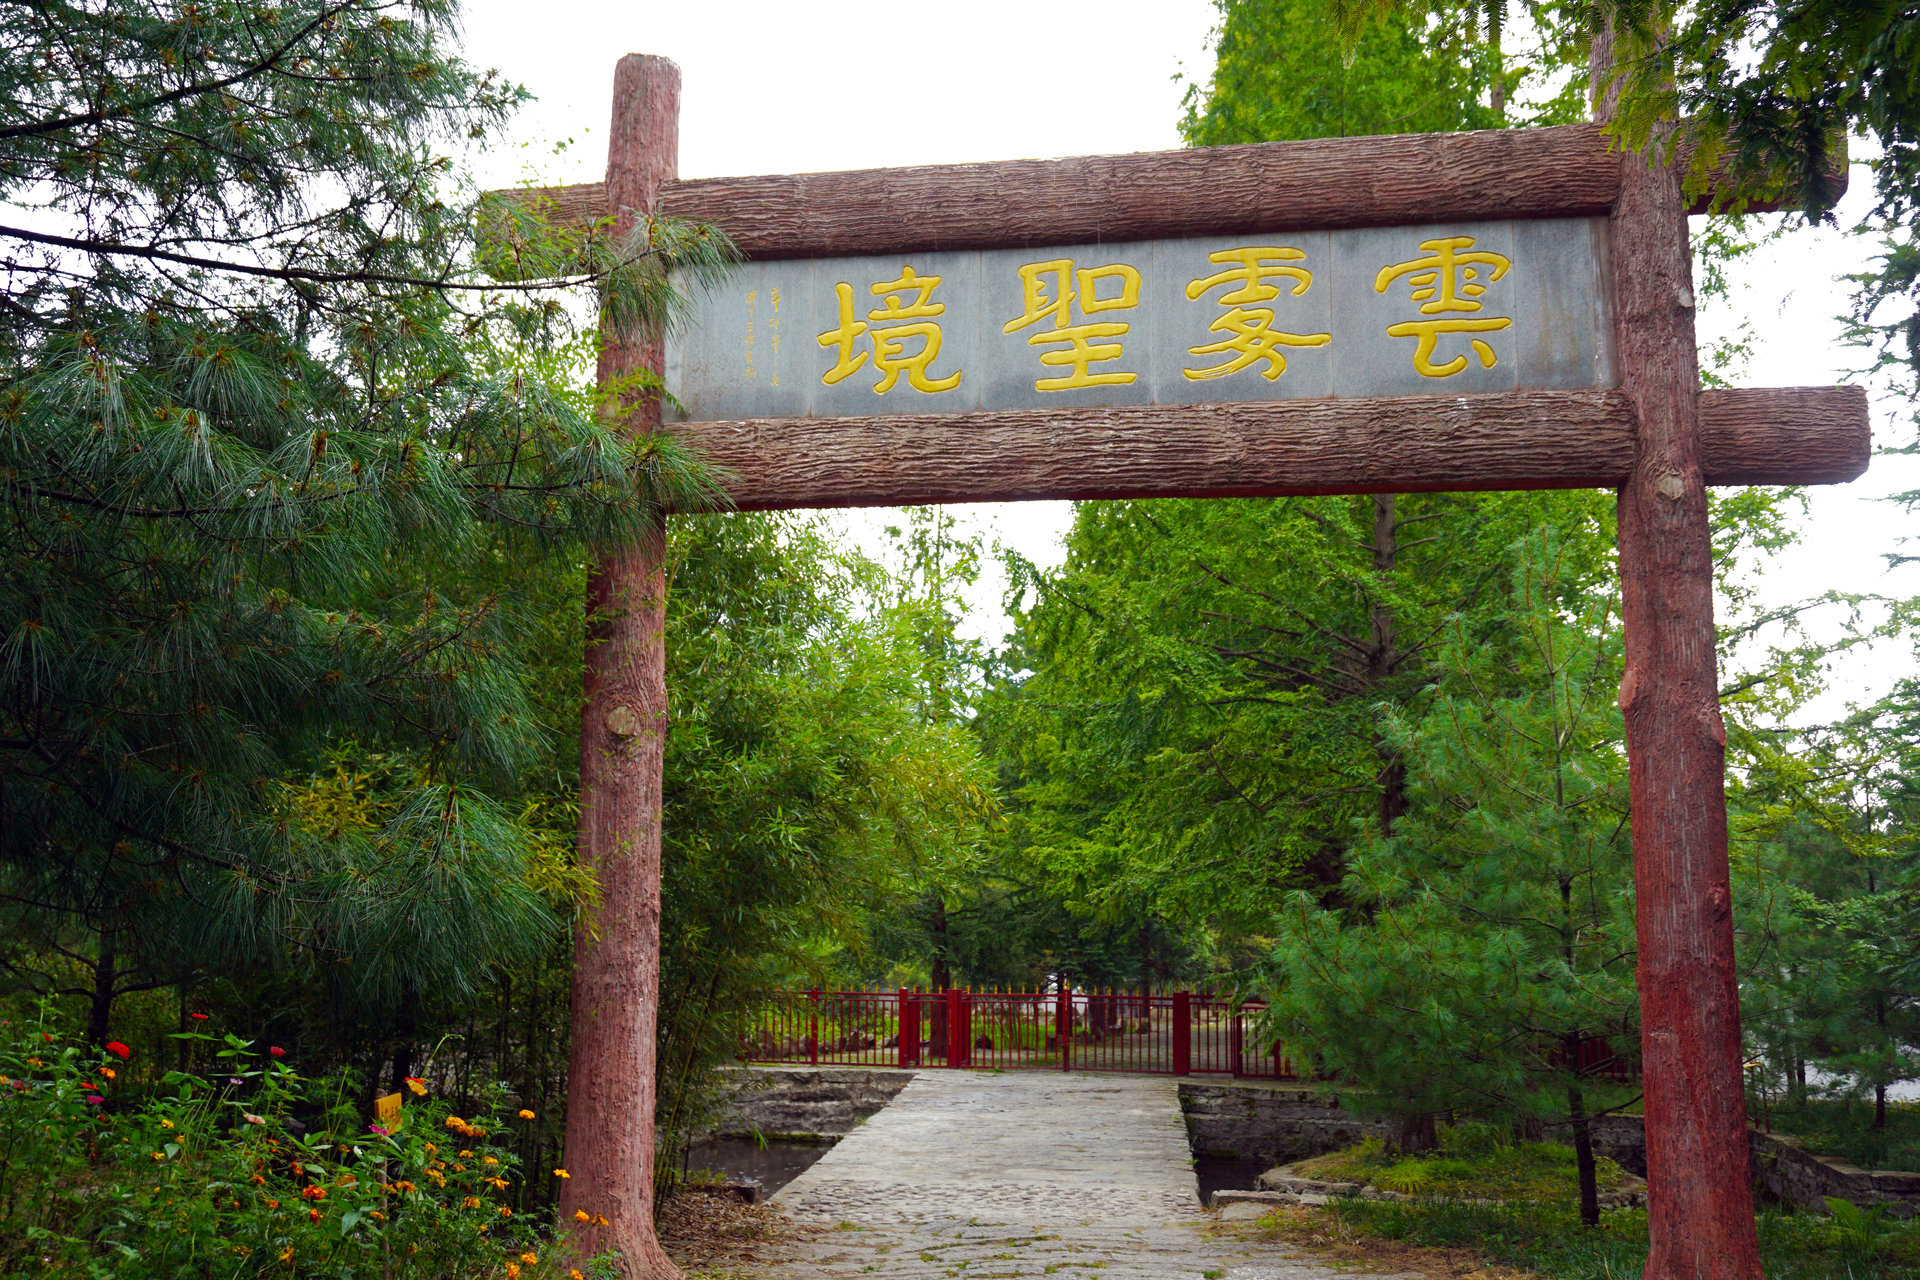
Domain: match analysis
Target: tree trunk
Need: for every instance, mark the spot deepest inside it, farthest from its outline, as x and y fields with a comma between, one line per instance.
x=1383, y=656
x=100, y=1006
x=1583, y=1156
x=1146, y=974
x=616, y=976
x=403, y=1044
x=1700, y=1202
x=1496, y=19
x=940, y=978
x=1416, y=1134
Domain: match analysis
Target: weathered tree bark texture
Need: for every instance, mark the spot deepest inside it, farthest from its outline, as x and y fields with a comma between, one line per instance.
x=616, y=975
x=1700, y=1202
x=1516, y=440
x=1321, y=184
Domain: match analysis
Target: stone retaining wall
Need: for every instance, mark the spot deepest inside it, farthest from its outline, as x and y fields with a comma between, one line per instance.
x=1786, y=1170
x=1794, y=1174
x=1256, y=1119
x=805, y=1102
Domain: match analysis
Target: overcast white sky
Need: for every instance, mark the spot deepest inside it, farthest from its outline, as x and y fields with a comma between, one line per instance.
x=775, y=87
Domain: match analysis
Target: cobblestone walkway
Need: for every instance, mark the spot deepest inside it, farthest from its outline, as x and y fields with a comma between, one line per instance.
x=972, y=1175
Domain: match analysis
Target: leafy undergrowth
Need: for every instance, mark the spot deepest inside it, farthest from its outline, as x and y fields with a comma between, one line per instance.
x=1444, y=1238
x=1845, y=1129
x=216, y=1175
x=1473, y=1162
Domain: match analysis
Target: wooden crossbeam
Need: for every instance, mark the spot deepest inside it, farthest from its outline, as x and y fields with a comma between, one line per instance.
x=1321, y=184
x=1516, y=440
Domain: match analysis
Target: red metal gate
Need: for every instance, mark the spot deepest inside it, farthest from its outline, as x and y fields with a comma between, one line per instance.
x=1177, y=1033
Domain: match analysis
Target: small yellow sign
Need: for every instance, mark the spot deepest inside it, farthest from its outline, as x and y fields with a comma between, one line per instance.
x=387, y=1112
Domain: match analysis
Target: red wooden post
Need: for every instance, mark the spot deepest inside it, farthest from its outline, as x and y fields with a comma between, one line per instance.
x=616, y=965
x=1700, y=1201
x=1063, y=1022
x=963, y=1026
x=1236, y=1041
x=907, y=1026
x=954, y=1050
x=1182, y=1032
x=813, y=1027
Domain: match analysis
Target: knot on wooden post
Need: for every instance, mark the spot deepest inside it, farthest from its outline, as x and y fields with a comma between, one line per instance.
x=1671, y=486
x=623, y=721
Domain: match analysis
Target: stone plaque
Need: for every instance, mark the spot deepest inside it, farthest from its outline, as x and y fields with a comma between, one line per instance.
x=1455, y=309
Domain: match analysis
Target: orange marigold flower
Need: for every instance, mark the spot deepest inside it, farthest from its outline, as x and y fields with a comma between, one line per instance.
x=531, y=1258
x=418, y=1086
x=561, y=1173
x=454, y=1122
x=273, y=1204
x=575, y=1275
x=513, y=1271
x=499, y=1184
x=286, y=1255
x=375, y=1213
x=313, y=1193
x=599, y=1221
x=581, y=1215
x=505, y=1212
x=259, y=1181
x=108, y=1073
x=313, y=1214
x=490, y=1160
x=471, y=1202
x=403, y=1187
x=526, y=1115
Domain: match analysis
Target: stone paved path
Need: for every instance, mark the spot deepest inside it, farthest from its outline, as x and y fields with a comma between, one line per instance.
x=972, y=1175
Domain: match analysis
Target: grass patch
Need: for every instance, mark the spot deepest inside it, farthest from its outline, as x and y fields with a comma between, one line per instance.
x=1548, y=1241
x=1835, y=1126
x=1473, y=1162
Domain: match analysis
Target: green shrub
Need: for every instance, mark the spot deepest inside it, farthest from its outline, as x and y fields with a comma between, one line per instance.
x=1474, y=1162
x=1550, y=1242
x=217, y=1176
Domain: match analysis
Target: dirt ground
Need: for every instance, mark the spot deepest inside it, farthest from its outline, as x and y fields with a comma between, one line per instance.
x=719, y=1237
x=1322, y=1233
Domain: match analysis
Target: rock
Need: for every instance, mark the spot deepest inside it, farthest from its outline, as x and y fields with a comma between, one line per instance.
x=1245, y=1212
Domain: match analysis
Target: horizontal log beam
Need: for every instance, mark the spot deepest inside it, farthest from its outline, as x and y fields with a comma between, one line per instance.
x=1320, y=184
x=1517, y=440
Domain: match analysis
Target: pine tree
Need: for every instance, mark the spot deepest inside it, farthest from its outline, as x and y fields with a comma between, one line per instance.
x=1487, y=946
x=255, y=362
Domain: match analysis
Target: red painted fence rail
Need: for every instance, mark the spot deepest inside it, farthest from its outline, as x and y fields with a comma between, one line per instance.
x=1177, y=1033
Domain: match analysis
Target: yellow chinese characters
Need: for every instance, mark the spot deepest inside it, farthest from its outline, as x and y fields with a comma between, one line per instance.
x=1446, y=280
x=1049, y=289
x=1250, y=335
x=905, y=335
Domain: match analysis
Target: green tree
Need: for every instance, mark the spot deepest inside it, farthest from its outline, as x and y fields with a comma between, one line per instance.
x=1288, y=69
x=808, y=788
x=1193, y=724
x=250, y=368
x=1488, y=941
